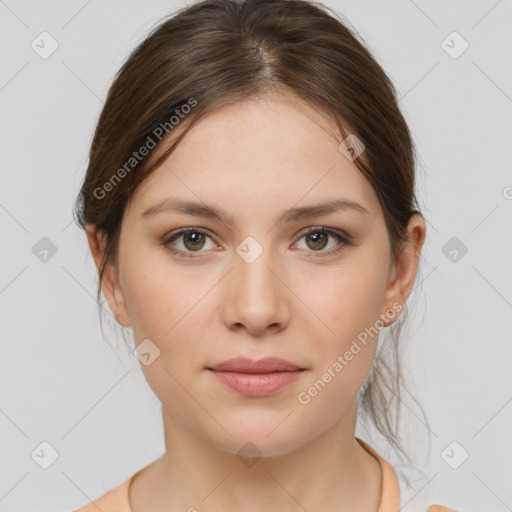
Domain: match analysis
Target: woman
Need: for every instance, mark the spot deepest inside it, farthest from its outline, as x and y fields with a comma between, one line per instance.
x=250, y=206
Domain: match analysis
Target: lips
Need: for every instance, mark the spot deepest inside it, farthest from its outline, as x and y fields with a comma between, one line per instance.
x=256, y=378
x=265, y=365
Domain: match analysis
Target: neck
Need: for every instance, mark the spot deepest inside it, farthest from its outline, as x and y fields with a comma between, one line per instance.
x=333, y=472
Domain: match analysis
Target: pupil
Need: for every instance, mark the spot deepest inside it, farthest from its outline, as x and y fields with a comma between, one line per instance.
x=317, y=238
x=196, y=239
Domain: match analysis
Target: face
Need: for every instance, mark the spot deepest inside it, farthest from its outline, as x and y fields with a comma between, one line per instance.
x=270, y=277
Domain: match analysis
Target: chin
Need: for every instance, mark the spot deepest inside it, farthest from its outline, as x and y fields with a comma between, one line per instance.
x=259, y=440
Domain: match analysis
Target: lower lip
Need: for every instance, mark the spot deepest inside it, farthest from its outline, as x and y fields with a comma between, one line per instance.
x=257, y=384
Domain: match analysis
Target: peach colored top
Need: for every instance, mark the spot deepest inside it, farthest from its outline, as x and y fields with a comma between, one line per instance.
x=116, y=500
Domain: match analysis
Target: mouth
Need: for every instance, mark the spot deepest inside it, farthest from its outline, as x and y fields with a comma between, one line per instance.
x=256, y=378
x=265, y=365
x=257, y=384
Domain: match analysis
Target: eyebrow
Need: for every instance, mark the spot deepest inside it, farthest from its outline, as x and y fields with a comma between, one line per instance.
x=292, y=215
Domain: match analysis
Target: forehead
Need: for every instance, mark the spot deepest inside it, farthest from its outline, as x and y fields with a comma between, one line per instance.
x=264, y=152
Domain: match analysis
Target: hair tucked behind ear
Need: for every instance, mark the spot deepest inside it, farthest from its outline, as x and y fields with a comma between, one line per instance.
x=216, y=52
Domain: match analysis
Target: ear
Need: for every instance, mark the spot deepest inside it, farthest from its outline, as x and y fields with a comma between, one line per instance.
x=110, y=283
x=403, y=273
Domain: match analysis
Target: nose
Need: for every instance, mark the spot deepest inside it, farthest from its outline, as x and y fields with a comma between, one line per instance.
x=255, y=296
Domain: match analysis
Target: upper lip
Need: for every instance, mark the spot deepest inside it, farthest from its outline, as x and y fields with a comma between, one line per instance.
x=265, y=365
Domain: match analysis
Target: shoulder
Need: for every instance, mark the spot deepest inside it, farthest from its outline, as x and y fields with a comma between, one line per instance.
x=395, y=495
x=115, y=500
x=440, y=508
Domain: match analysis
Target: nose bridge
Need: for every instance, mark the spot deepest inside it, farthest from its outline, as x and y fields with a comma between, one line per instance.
x=257, y=298
x=255, y=274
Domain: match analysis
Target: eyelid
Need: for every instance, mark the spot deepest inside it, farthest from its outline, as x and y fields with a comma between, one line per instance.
x=338, y=232
x=344, y=240
x=170, y=237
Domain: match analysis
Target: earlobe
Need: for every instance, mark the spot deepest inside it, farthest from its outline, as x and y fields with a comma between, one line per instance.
x=110, y=282
x=405, y=270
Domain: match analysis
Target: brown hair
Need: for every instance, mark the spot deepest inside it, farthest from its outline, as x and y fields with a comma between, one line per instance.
x=216, y=52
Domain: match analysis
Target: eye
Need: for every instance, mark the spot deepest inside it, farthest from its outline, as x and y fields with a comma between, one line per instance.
x=318, y=238
x=192, y=240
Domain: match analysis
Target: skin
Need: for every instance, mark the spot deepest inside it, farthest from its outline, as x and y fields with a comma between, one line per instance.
x=256, y=159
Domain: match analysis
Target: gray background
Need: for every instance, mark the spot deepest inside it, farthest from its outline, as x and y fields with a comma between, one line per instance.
x=60, y=382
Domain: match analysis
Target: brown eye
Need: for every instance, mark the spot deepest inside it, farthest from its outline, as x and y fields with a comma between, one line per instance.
x=193, y=240
x=318, y=240
x=187, y=242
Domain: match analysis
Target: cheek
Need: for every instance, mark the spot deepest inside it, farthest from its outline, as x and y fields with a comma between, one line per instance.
x=172, y=309
x=165, y=309
x=343, y=358
x=353, y=296
x=156, y=295
x=350, y=305
x=148, y=301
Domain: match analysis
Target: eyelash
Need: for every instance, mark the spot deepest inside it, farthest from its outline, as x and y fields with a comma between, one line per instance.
x=344, y=242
